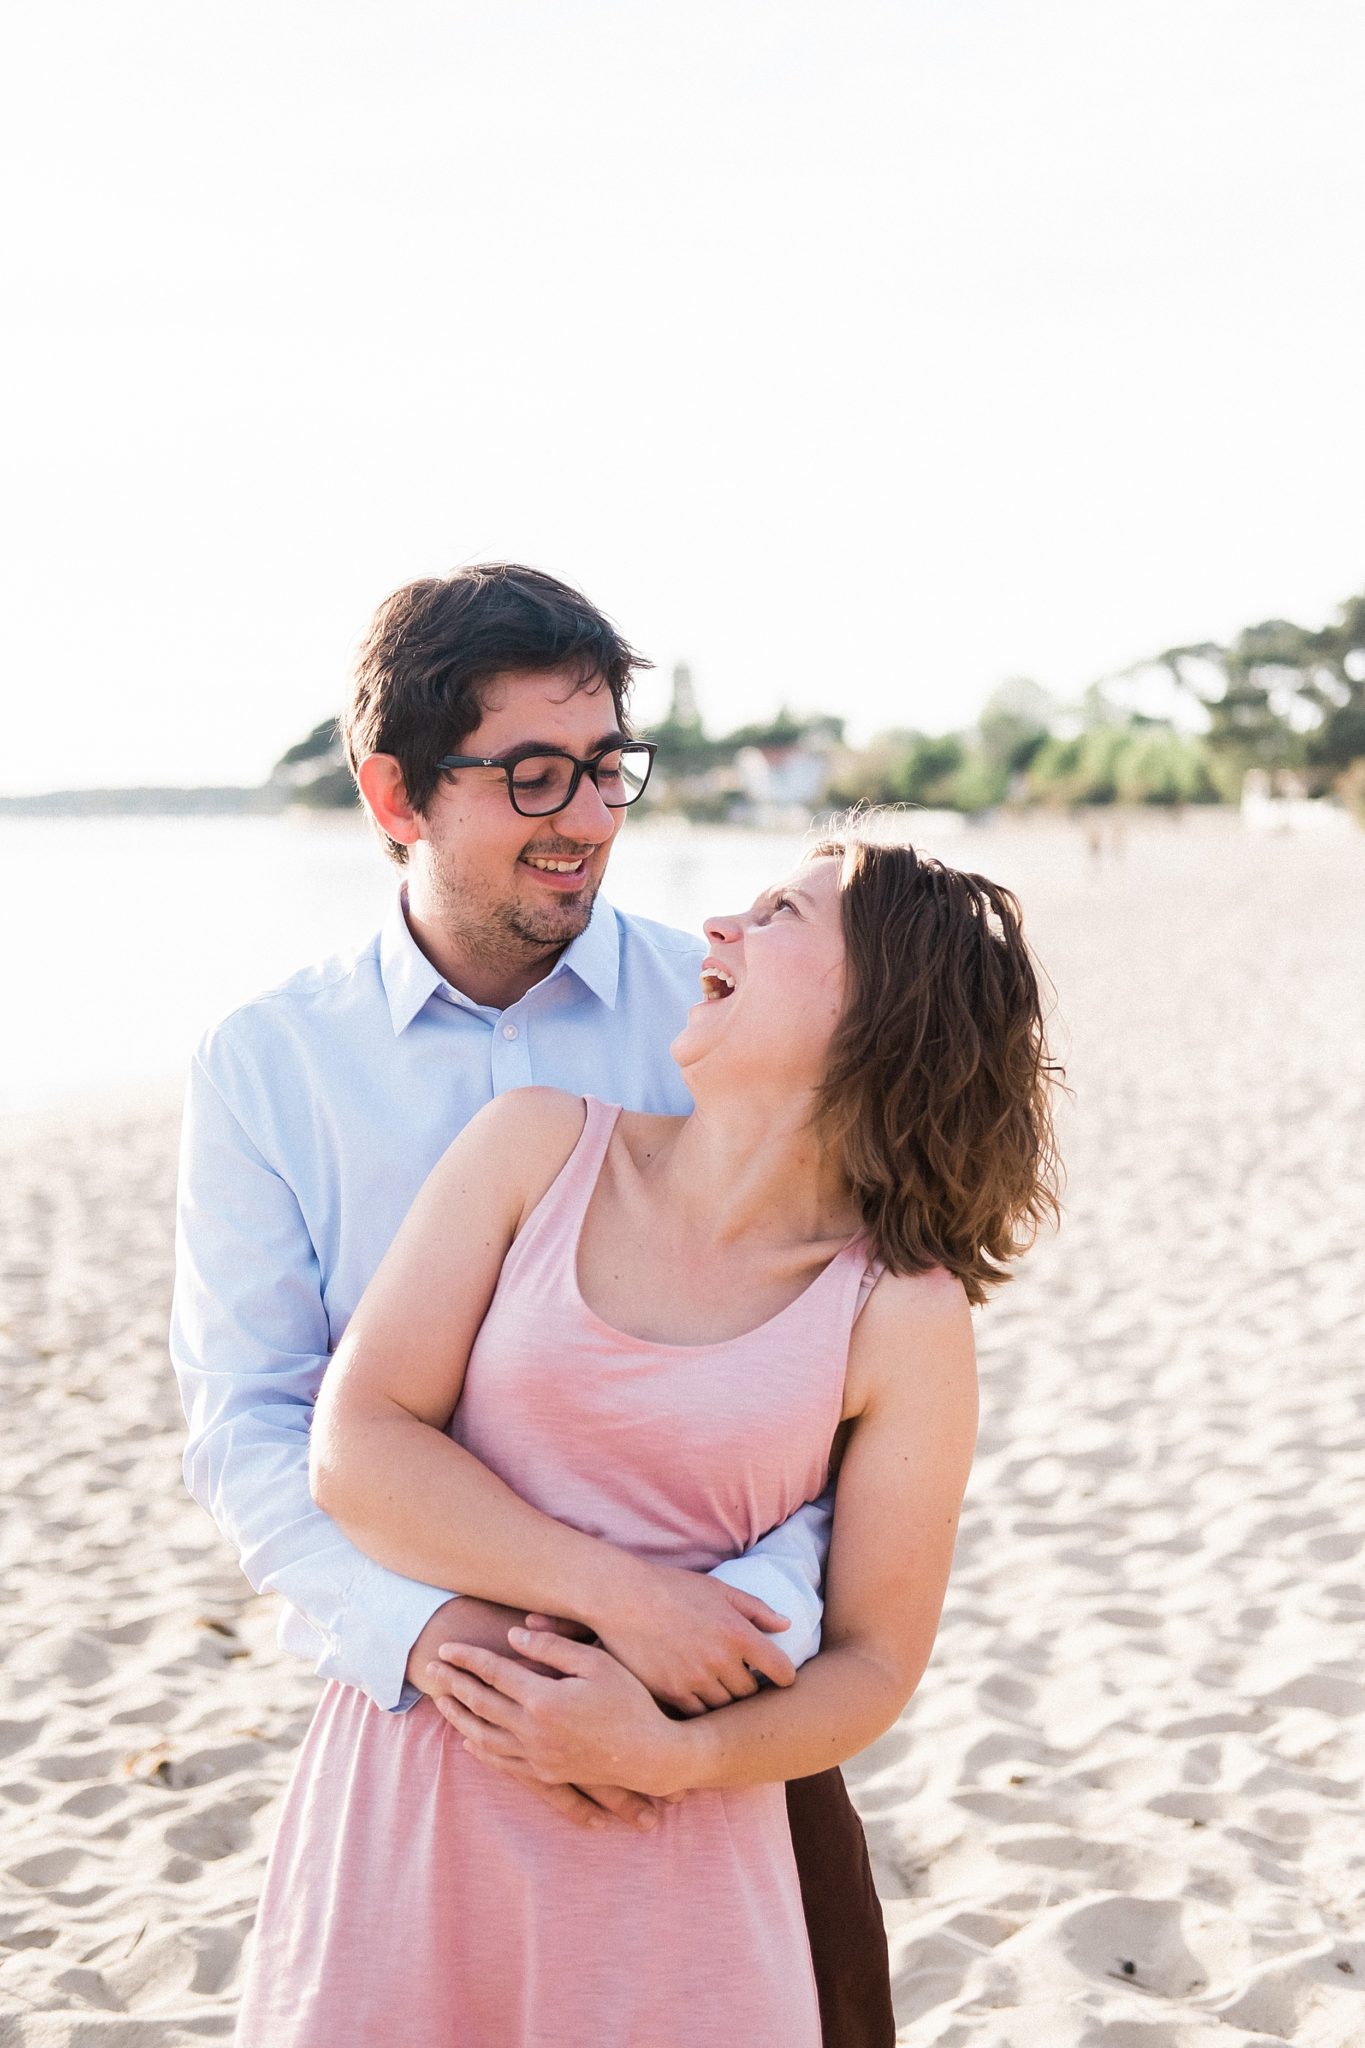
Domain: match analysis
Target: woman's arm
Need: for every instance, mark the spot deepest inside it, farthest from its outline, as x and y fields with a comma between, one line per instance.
x=383, y=1467
x=380, y=1462
x=912, y=1394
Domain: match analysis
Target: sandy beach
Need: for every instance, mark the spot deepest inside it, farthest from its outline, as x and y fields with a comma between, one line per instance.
x=1124, y=1806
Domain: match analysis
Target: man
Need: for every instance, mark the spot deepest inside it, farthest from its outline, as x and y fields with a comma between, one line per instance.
x=487, y=732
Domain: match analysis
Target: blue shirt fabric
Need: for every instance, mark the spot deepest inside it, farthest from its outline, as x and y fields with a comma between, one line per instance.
x=313, y=1115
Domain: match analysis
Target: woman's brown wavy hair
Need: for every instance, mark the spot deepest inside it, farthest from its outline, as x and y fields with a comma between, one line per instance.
x=937, y=1104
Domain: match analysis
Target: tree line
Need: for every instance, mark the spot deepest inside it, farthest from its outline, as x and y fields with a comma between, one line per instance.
x=1284, y=699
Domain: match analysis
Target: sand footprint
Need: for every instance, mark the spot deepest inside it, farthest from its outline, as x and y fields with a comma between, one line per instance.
x=1315, y=1998
x=1169, y=1948
x=217, y=1831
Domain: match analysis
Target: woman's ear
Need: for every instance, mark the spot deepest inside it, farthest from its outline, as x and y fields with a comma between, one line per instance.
x=384, y=794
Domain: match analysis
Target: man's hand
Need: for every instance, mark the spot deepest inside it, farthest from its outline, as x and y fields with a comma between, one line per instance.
x=692, y=1641
x=583, y=1716
x=484, y=1624
x=461, y=1621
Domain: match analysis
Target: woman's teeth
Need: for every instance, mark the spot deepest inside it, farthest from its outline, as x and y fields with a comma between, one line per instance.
x=716, y=984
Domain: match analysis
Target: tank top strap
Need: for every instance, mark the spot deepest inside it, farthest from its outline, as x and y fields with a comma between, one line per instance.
x=867, y=1280
x=584, y=1163
x=843, y=1287
x=553, y=1225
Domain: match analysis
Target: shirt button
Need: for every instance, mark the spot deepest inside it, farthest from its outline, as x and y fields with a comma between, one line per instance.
x=509, y=1030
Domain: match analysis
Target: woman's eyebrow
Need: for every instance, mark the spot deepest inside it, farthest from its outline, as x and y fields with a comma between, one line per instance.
x=772, y=897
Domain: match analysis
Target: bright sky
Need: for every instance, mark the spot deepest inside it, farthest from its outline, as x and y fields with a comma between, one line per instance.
x=861, y=354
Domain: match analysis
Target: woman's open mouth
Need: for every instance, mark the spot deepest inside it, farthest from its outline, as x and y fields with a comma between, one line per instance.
x=717, y=982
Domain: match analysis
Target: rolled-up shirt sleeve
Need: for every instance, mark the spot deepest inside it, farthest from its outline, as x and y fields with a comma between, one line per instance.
x=787, y=1569
x=249, y=1342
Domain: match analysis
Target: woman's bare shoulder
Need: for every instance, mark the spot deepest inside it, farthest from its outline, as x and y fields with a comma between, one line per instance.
x=530, y=1121
x=915, y=1330
x=933, y=1299
x=513, y=1147
x=537, y=1114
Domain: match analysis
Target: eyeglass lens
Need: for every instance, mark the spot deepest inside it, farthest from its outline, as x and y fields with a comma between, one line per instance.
x=540, y=782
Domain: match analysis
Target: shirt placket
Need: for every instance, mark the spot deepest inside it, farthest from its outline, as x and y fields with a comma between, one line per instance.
x=510, y=1050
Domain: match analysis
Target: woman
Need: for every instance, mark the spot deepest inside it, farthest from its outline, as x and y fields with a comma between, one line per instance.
x=663, y=1333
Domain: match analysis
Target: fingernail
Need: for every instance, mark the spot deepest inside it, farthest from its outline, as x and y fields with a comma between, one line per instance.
x=520, y=1635
x=648, y=1821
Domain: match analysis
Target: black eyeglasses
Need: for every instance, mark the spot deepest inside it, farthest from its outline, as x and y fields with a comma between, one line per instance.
x=540, y=784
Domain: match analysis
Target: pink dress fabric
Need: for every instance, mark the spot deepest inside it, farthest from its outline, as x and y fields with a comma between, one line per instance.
x=415, y=1896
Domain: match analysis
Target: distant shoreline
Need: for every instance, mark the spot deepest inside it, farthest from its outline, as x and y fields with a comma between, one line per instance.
x=271, y=801
x=147, y=803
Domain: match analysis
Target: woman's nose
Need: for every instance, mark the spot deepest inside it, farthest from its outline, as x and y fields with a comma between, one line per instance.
x=721, y=931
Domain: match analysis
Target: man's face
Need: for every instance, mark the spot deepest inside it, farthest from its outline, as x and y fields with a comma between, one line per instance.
x=476, y=866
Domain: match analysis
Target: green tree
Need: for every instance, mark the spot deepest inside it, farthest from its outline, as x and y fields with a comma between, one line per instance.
x=1335, y=687
x=1281, y=696
x=1015, y=720
x=1159, y=765
x=321, y=741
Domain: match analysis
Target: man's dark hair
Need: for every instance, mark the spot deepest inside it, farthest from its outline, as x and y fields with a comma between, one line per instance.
x=433, y=646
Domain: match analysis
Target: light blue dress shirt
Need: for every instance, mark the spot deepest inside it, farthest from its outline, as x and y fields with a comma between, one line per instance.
x=313, y=1115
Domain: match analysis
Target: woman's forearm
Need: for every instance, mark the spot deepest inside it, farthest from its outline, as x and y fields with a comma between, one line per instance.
x=414, y=1500
x=842, y=1700
x=420, y=1504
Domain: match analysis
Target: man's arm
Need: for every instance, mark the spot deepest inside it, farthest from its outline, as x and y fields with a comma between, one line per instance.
x=250, y=1344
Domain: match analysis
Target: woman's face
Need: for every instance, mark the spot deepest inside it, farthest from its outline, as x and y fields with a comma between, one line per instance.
x=772, y=982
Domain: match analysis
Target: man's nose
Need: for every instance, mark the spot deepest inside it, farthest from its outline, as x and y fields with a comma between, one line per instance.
x=587, y=817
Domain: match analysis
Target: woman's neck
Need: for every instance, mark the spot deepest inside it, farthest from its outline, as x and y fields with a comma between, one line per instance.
x=746, y=1167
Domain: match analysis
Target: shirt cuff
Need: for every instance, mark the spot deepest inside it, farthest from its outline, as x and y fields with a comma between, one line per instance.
x=382, y=1617
x=791, y=1594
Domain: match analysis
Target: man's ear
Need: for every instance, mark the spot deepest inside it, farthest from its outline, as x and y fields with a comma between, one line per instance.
x=386, y=798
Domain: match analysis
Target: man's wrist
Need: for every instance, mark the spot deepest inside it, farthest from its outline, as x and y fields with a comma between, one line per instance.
x=439, y=1627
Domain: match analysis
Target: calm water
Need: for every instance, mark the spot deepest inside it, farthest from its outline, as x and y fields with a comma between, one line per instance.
x=124, y=937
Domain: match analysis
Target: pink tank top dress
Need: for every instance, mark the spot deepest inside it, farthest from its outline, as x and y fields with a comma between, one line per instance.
x=415, y=1896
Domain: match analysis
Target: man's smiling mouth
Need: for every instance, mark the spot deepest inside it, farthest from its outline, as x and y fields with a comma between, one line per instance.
x=552, y=865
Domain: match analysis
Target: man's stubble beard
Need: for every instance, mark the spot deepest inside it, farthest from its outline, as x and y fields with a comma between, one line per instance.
x=510, y=933
x=558, y=925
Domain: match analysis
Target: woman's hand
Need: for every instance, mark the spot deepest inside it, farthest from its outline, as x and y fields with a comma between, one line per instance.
x=483, y=1623
x=693, y=1642
x=593, y=1724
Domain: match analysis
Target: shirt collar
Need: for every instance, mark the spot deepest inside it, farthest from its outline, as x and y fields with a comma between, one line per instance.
x=410, y=979
x=595, y=955
x=408, y=976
